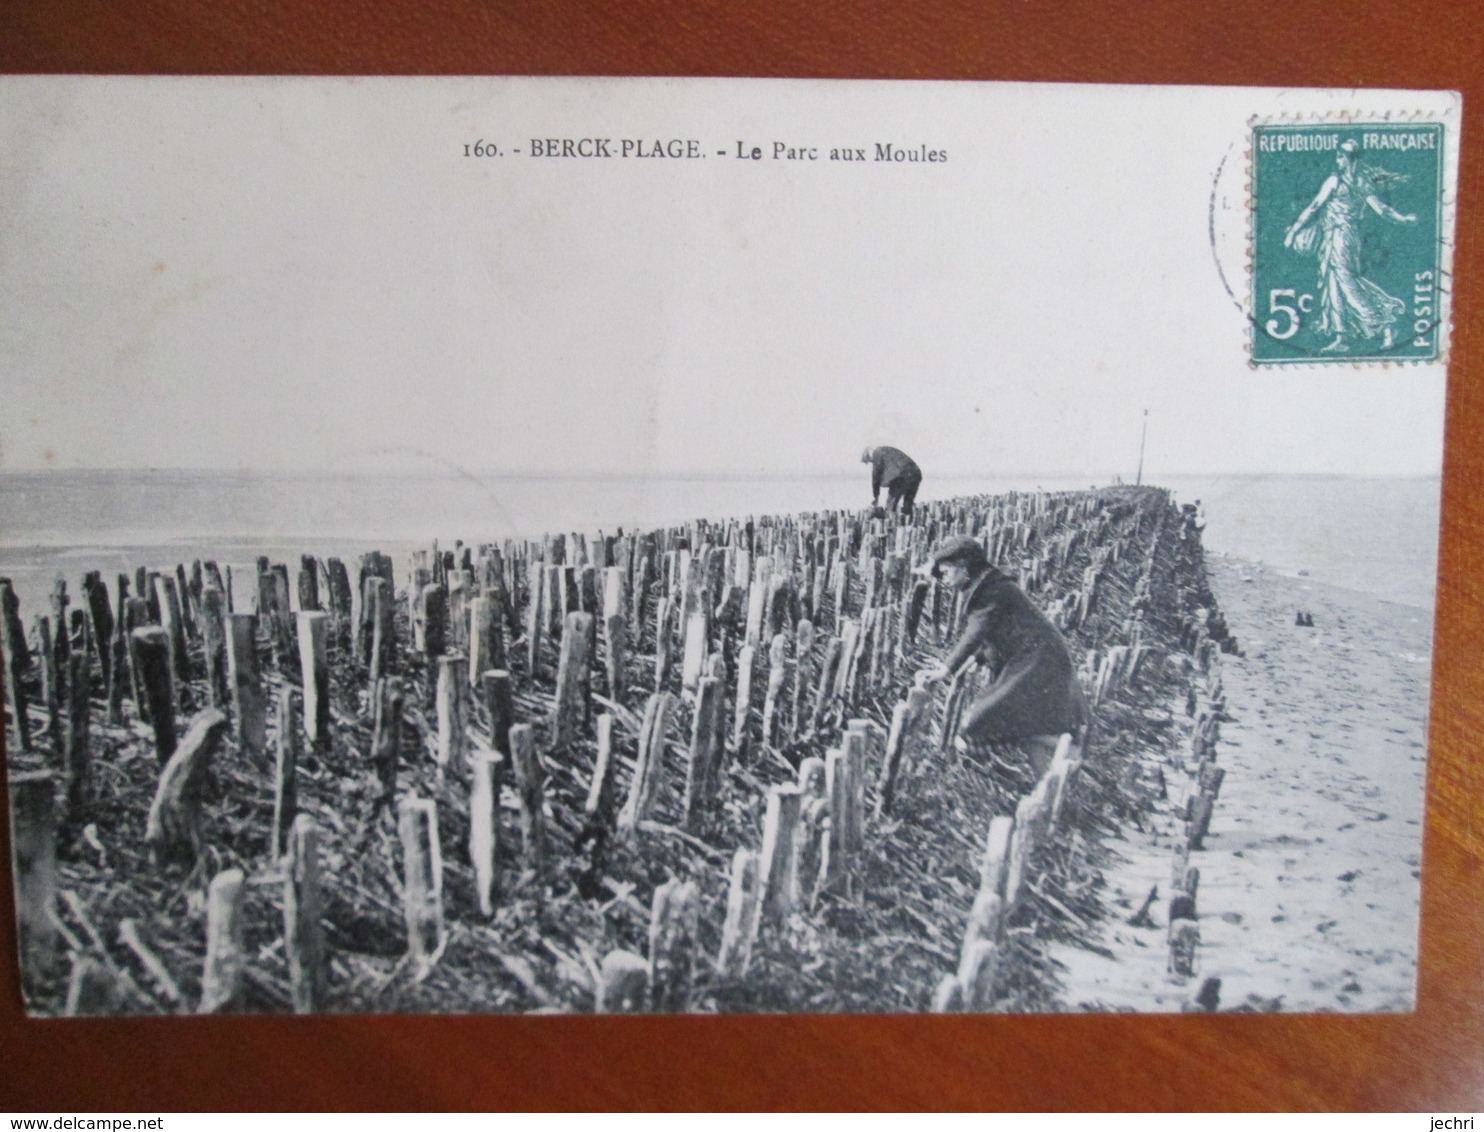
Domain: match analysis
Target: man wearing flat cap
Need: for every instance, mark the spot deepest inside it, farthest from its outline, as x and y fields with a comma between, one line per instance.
x=1034, y=691
x=896, y=471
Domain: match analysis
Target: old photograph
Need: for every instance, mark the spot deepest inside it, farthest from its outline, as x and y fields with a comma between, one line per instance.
x=515, y=545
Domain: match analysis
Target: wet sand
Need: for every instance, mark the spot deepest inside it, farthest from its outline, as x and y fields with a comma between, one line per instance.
x=1308, y=897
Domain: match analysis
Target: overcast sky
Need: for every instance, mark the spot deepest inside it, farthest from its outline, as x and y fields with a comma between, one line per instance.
x=254, y=273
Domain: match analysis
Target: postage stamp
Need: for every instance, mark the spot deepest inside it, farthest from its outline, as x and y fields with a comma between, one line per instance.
x=1346, y=242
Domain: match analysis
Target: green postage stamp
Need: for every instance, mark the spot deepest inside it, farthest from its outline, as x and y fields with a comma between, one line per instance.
x=1346, y=242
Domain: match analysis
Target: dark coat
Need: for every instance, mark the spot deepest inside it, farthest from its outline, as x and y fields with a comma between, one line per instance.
x=893, y=466
x=1034, y=690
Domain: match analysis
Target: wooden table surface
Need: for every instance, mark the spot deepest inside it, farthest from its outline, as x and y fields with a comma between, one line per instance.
x=1430, y=1060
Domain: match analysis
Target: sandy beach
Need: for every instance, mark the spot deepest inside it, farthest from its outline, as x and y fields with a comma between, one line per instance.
x=1309, y=879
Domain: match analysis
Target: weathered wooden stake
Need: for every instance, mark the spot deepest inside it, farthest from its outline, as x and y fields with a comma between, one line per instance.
x=497, y=699
x=249, y=702
x=33, y=836
x=574, y=679
x=386, y=735
x=996, y=862
x=314, y=669
x=484, y=827
x=221, y=977
x=616, y=655
x=171, y=621
x=18, y=725
x=703, y=771
x=649, y=764
x=672, y=941
x=51, y=683
x=779, y=859
x=773, y=698
x=303, y=928
x=285, y=771
x=530, y=782
x=173, y=830
x=151, y=651
x=78, y=770
x=1185, y=942
x=694, y=657
x=453, y=682
x=623, y=984
x=214, y=645
x=740, y=927
x=422, y=879
x=742, y=713
x=383, y=640
x=600, y=790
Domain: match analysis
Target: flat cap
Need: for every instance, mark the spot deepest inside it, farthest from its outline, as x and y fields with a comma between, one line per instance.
x=961, y=549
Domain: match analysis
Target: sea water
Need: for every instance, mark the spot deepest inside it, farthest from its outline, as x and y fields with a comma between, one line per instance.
x=1374, y=535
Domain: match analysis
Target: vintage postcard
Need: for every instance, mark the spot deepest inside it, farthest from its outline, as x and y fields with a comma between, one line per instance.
x=576, y=545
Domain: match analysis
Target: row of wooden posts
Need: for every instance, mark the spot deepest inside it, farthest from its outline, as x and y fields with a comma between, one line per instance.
x=712, y=596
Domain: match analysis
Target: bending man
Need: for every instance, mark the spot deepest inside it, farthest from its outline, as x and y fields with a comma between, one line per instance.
x=896, y=471
x=1034, y=693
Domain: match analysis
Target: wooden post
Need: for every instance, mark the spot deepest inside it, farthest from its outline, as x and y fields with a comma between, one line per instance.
x=383, y=641
x=285, y=772
x=78, y=771
x=896, y=743
x=662, y=643
x=497, y=699
x=486, y=641
x=573, y=703
x=386, y=735
x=777, y=674
x=976, y=973
x=536, y=621
x=672, y=940
x=308, y=585
x=422, y=879
x=856, y=740
x=600, y=790
x=803, y=678
x=779, y=861
x=453, y=681
x=314, y=669
x=740, y=927
x=694, y=656
x=1185, y=942
x=51, y=683
x=828, y=675
x=702, y=774
x=33, y=835
x=173, y=830
x=303, y=928
x=616, y=654
x=135, y=616
x=214, y=645
x=530, y=782
x=170, y=620
x=18, y=725
x=995, y=865
x=623, y=984
x=649, y=761
x=249, y=702
x=434, y=622
x=484, y=828
x=742, y=717
x=151, y=651
x=100, y=620
x=221, y=977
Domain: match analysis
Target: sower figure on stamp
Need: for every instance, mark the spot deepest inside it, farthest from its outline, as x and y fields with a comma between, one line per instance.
x=894, y=470
x=1033, y=696
x=1350, y=304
